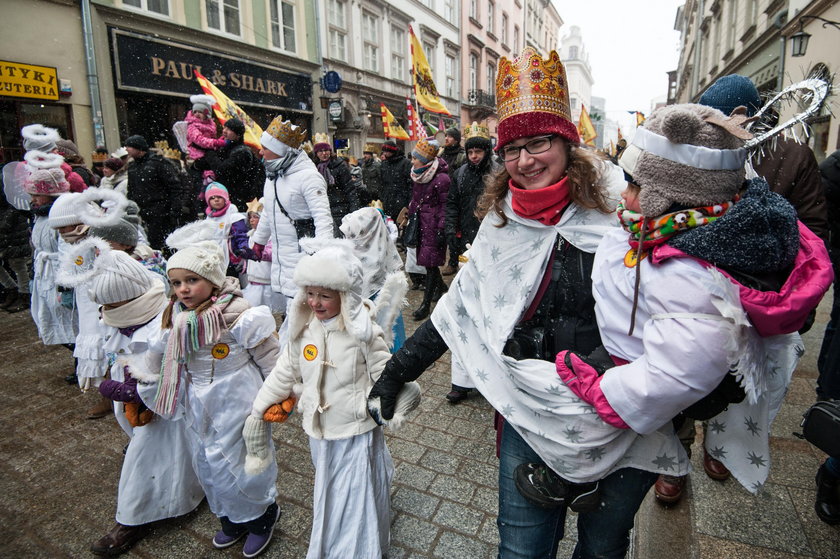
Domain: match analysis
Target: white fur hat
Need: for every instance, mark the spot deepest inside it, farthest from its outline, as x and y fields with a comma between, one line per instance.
x=119, y=278
x=202, y=103
x=205, y=258
x=39, y=137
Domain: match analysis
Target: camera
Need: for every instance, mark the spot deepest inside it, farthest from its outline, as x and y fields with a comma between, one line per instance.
x=527, y=342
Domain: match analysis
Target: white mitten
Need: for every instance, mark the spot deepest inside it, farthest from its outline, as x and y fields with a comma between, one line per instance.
x=256, y=433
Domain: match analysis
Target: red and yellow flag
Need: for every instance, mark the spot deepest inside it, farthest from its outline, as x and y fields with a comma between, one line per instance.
x=225, y=109
x=424, y=85
x=416, y=130
x=585, y=128
x=640, y=118
x=390, y=125
x=620, y=137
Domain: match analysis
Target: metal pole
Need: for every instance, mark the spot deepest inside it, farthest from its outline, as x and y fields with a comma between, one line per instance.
x=92, y=77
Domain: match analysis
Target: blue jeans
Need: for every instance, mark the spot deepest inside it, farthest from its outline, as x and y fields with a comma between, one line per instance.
x=528, y=531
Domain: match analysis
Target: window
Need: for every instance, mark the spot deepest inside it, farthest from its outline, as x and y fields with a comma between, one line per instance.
x=573, y=52
x=451, y=72
x=429, y=4
x=337, y=33
x=450, y=14
x=370, y=34
x=223, y=15
x=730, y=29
x=429, y=51
x=474, y=9
x=716, y=41
x=752, y=12
x=397, y=53
x=155, y=6
x=491, y=77
x=473, y=71
x=283, y=25
x=491, y=17
x=516, y=39
x=504, y=29
x=573, y=103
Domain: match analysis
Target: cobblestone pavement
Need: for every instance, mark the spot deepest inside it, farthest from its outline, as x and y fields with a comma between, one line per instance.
x=59, y=475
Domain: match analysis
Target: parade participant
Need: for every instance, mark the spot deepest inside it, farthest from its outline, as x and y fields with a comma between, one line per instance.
x=371, y=172
x=336, y=350
x=344, y=198
x=70, y=152
x=156, y=483
x=152, y=183
x=462, y=225
x=258, y=291
x=115, y=175
x=524, y=295
x=428, y=200
x=236, y=166
x=452, y=152
x=367, y=229
x=201, y=136
x=231, y=226
x=51, y=306
x=216, y=352
x=395, y=171
x=124, y=237
x=296, y=202
x=41, y=138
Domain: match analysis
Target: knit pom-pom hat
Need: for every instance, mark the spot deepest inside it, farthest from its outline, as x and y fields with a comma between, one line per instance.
x=46, y=182
x=730, y=92
x=122, y=232
x=119, y=278
x=204, y=258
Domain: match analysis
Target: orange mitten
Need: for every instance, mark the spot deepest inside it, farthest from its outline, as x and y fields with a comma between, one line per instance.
x=278, y=413
x=137, y=414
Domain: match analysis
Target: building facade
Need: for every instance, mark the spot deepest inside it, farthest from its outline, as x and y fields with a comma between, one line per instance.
x=578, y=71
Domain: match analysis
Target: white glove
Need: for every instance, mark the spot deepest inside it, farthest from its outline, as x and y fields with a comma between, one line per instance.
x=256, y=433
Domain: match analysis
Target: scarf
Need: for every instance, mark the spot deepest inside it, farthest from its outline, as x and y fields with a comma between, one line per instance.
x=277, y=167
x=657, y=230
x=545, y=205
x=190, y=332
x=137, y=311
x=324, y=169
x=42, y=211
x=210, y=212
x=424, y=174
x=76, y=234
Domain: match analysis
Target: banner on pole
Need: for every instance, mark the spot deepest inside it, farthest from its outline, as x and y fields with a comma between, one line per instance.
x=390, y=126
x=226, y=109
x=424, y=85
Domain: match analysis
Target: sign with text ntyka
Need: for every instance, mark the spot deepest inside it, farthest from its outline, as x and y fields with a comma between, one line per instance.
x=29, y=81
x=153, y=65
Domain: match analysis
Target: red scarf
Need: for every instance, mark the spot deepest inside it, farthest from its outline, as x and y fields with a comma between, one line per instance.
x=545, y=205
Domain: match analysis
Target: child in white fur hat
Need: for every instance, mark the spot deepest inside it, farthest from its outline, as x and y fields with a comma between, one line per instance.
x=217, y=350
x=156, y=482
x=336, y=351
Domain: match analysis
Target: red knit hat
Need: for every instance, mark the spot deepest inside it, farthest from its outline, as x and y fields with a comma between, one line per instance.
x=532, y=98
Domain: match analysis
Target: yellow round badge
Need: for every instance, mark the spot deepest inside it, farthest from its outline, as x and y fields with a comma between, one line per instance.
x=220, y=351
x=79, y=260
x=310, y=352
x=630, y=257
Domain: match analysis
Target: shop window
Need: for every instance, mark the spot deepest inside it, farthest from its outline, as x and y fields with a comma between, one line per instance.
x=223, y=15
x=283, y=25
x=370, y=33
x=397, y=53
x=160, y=7
x=16, y=114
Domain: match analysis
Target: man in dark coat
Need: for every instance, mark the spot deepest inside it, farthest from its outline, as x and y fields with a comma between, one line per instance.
x=395, y=171
x=341, y=190
x=235, y=165
x=371, y=175
x=153, y=184
x=466, y=188
x=452, y=152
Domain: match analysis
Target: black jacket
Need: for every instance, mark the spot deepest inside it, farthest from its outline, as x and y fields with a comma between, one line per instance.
x=396, y=184
x=455, y=156
x=238, y=169
x=153, y=183
x=14, y=231
x=467, y=186
x=372, y=177
x=342, y=194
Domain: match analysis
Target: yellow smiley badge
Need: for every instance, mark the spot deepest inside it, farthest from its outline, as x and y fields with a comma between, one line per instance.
x=220, y=351
x=79, y=260
x=630, y=258
x=310, y=352
x=221, y=226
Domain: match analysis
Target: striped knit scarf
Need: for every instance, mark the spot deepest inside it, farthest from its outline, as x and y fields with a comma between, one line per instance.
x=190, y=332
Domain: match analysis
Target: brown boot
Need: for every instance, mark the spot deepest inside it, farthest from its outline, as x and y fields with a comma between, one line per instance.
x=714, y=468
x=448, y=270
x=669, y=489
x=118, y=540
x=101, y=409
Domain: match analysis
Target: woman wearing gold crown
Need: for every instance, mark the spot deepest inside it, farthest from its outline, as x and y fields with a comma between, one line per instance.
x=524, y=296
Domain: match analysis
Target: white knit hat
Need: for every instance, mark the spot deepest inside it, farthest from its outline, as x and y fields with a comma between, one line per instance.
x=39, y=137
x=64, y=211
x=205, y=258
x=120, y=278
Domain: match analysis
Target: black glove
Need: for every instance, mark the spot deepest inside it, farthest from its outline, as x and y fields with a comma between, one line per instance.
x=386, y=389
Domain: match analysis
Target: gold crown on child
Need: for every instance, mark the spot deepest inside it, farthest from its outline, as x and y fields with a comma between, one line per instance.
x=284, y=131
x=531, y=83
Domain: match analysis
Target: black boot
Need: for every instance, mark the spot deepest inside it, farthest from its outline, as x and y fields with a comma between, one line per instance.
x=440, y=289
x=417, y=281
x=458, y=394
x=827, y=504
x=7, y=297
x=431, y=286
x=19, y=303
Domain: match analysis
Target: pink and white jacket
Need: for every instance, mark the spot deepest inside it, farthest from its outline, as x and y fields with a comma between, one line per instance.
x=201, y=135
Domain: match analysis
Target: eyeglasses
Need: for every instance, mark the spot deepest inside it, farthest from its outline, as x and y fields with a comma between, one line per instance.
x=535, y=146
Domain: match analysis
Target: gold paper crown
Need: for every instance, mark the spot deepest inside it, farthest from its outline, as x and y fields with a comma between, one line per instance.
x=306, y=146
x=370, y=148
x=530, y=83
x=172, y=154
x=426, y=149
x=476, y=130
x=97, y=157
x=321, y=138
x=284, y=131
x=254, y=206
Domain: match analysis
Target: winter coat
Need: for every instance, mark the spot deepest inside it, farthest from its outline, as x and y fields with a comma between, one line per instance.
x=303, y=193
x=792, y=171
x=77, y=183
x=88, y=176
x=466, y=188
x=335, y=384
x=118, y=181
x=344, y=198
x=396, y=184
x=238, y=169
x=201, y=136
x=154, y=184
x=830, y=172
x=429, y=200
x=454, y=156
x=14, y=231
x=371, y=176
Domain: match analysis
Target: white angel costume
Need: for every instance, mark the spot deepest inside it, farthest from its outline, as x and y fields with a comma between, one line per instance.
x=56, y=323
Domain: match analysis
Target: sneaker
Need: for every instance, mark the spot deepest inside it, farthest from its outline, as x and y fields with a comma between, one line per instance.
x=222, y=540
x=256, y=543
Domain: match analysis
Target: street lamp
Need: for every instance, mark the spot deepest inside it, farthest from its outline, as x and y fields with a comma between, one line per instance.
x=799, y=40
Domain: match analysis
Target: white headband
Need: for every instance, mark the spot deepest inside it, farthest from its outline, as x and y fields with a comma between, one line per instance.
x=694, y=156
